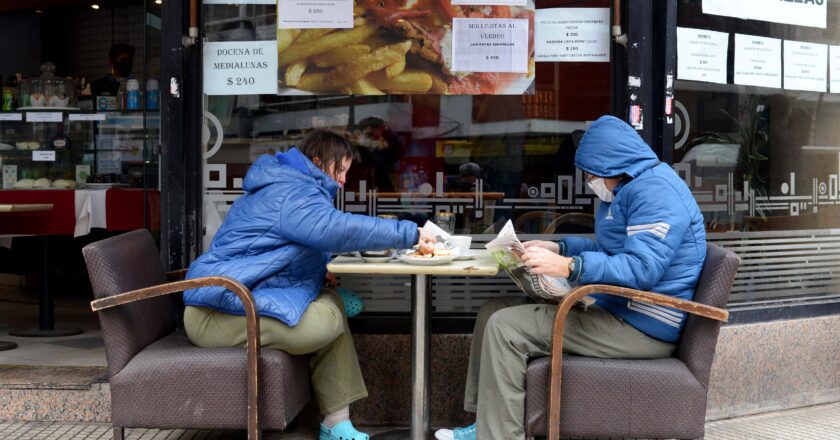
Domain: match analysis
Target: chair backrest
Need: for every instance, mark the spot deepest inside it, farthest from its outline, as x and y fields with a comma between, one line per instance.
x=120, y=264
x=699, y=338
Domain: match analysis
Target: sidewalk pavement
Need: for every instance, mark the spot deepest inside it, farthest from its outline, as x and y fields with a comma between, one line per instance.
x=820, y=422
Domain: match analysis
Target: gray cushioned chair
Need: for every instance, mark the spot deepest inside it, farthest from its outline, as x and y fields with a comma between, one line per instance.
x=622, y=398
x=158, y=378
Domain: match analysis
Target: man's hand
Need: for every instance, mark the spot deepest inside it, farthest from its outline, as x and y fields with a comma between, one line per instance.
x=550, y=245
x=542, y=261
x=426, y=241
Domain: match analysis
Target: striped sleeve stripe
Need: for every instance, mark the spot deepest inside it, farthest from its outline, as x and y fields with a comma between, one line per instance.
x=658, y=312
x=675, y=313
x=658, y=229
x=653, y=315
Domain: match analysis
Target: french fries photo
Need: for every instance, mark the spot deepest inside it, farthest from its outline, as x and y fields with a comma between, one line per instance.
x=391, y=49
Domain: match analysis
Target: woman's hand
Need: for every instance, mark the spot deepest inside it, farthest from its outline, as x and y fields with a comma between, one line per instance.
x=550, y=245
x=542, y=261
x=426, y=241
x=330, y=280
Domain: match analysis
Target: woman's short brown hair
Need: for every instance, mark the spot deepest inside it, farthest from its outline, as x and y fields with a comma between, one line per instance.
x=328, y=146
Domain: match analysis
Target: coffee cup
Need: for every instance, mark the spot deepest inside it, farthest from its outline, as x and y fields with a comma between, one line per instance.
x=460, y=243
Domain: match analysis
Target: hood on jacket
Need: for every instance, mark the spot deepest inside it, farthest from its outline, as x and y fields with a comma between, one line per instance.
x=612, y=148
x=271, y=169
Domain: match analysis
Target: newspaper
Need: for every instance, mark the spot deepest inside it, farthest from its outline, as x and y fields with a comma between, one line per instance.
x=507, y=250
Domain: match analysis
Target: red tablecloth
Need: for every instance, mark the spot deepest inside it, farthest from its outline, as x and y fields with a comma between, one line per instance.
x=123, y=211
x=60, y=221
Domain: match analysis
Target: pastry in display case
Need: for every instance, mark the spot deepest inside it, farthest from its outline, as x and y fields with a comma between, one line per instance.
x=84, y=150
x=47, y=91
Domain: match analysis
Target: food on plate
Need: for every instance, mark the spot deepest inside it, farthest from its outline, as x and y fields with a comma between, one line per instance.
x=24, y=184
x=42, y=183
x=64, y=184
x=396, y=47
x=30, y=145
x=438, y=250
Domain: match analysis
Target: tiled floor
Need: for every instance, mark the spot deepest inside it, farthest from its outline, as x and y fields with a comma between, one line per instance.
x=817, y=422
x=19, y=309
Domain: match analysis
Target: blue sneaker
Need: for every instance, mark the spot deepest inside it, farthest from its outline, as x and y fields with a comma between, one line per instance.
x=465, y=433
x=353, y=305
x=342, y=431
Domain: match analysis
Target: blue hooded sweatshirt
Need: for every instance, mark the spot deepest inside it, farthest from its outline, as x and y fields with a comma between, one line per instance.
x=650, y=237
x=279, y=235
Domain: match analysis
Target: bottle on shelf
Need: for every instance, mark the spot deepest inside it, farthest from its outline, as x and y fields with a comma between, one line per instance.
x=152, y=95
x=121, y=92
x=132, y=94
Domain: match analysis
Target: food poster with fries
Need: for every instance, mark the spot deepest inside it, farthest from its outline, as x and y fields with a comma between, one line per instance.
x=408, y=47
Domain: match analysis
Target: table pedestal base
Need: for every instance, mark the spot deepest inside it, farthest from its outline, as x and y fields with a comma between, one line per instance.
x=38, y=333
x=399, y=434
x=7, y=345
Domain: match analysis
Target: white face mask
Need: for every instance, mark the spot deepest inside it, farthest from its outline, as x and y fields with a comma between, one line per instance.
x=599, y=187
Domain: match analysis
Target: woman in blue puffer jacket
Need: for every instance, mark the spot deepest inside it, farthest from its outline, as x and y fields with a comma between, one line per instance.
x=277, y=240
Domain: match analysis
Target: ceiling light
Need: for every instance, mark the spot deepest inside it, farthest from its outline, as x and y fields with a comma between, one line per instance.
x=38, y=11
x=95, y=6
x=157, y=2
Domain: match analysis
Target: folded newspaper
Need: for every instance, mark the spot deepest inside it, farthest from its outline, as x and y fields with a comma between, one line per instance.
x=507, y=250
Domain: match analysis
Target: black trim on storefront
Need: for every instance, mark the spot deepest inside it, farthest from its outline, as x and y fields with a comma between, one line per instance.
x=639, y=83
x=181, y=161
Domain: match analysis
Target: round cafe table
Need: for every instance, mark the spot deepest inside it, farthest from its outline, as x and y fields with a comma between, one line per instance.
x=46, y=323
x=421, y=307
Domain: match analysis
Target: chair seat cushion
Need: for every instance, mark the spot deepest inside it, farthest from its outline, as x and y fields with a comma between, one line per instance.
x=624, y=398
x=174, y=384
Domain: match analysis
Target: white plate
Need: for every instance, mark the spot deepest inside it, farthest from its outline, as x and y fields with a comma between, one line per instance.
x=376, y=259
x=434, y=261
x=103, y=185
x=468, y=255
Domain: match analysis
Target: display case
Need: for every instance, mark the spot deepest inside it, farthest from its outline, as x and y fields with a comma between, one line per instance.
x=69, y=149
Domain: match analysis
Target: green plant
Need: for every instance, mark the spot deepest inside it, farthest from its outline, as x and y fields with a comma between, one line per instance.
x=752, y=163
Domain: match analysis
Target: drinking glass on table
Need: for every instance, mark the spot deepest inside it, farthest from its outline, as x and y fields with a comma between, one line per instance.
x=446, y=221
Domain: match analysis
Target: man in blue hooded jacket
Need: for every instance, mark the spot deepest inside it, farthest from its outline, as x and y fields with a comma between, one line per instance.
x=649, y=235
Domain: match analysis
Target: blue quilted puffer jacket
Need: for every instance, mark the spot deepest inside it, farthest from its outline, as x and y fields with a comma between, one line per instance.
x=650, y=237
x=279, y=236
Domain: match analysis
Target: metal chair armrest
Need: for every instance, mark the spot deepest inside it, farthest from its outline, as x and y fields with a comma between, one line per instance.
x=566, y=304
x=251, y=322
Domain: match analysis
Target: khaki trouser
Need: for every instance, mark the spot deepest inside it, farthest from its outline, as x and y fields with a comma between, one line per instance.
x=509, y=331
x=322, y=331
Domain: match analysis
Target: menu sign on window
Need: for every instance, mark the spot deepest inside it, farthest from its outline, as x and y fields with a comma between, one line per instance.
x=240, y=68
x=572, y=34
x=701, y=55
x=314, y=14
x=489, y=45
x=806, y=65
x=834, y=66
x=798, y=12
x=758, y=61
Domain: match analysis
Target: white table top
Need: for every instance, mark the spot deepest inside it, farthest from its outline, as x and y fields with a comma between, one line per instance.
x=482, y=265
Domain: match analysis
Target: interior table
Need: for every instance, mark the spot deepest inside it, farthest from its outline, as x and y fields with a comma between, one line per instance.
x=482, y=264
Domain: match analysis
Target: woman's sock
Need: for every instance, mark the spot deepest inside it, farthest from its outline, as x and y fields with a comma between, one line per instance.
x=337, y=417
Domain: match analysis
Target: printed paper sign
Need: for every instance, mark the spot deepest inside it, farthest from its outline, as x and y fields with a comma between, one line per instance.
x=490, y=45
x=798, y=12
x=314, y=14
x=239, y=2
x=43, y=156
x=758, y=61
x=806, y=65
x=10, y=176
x=701, y=55
x=834, y=69
x=490, y=2
x=44, y=117
x=109, y=162
x=834, y=66
x=572, y=34
x=11, y=116
x=87, y=116
x=82, y=173
x=240, y=68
